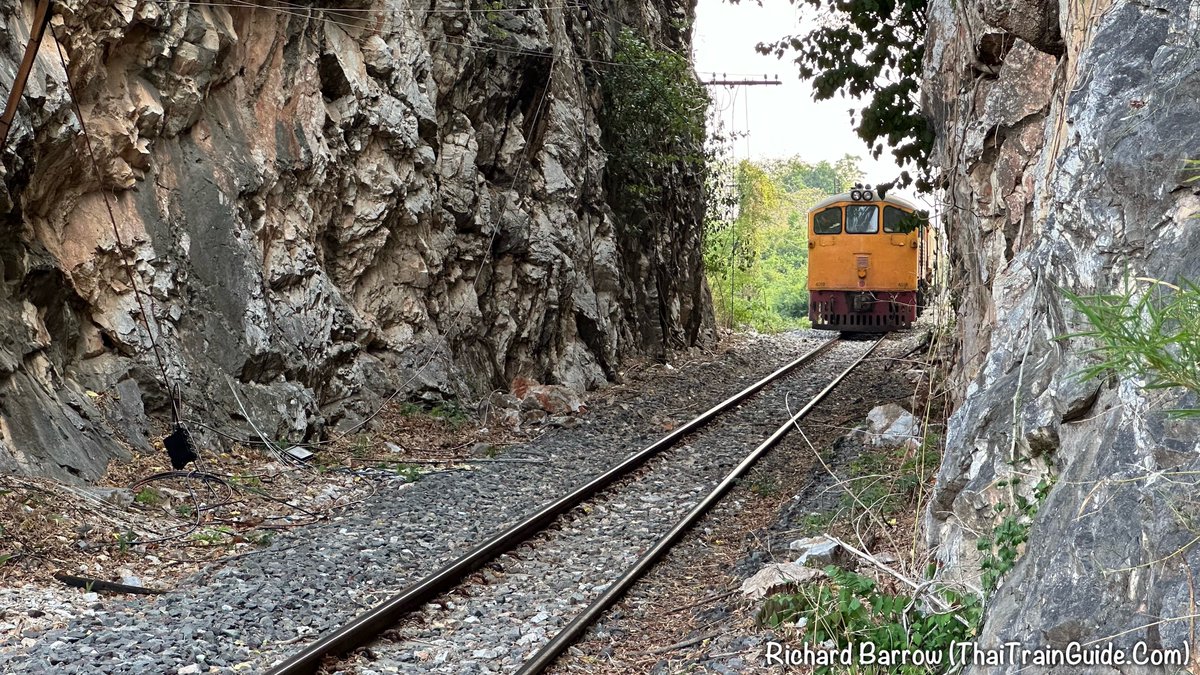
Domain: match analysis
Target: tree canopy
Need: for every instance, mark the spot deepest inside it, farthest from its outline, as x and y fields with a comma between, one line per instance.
x=756, y=254
x=870, y=50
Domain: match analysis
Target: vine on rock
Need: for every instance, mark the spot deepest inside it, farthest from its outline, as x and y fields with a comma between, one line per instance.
x=653, y=124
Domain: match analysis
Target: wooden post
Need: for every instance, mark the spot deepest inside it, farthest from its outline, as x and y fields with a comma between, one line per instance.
x=41, y=19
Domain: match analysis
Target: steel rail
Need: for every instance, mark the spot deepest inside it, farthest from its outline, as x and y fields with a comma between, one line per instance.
x=367, y=626
x=552, y=650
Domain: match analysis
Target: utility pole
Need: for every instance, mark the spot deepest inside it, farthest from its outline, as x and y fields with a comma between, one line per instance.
x=41, y=19
x=739, y=83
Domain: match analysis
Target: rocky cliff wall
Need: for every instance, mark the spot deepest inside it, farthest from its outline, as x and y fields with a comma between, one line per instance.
x=318, y=206
x=1063, y=132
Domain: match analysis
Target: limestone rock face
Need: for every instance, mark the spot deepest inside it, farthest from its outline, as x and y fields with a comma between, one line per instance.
x=1067, y=173
x=316, y=208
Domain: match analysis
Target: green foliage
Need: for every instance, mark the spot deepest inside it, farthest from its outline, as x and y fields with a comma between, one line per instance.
x=870, y=50
x=246, y=480
x=147, y=496
x=362, y=445
x=849, y=610
x=823, y=177
x=887, y=480
x=493, y=14
x=125, y=540
x=1003, y=546
x=817, y=522
x=1154, y=336
x=756, y=251
x=652, y=122
x=765, y=487
x=450, y=411
x=212, y=535
x=912, y=221
x=408, y=472
x=261, y=538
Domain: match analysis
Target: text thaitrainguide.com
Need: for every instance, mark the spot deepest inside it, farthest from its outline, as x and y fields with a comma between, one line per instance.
x=968, y=653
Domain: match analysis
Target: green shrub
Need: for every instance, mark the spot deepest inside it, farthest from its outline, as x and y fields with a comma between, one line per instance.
x=1153, y=336
x=652, y=122
x=849, y=610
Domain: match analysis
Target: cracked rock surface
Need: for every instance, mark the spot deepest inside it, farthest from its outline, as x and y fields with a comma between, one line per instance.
x=325, y=205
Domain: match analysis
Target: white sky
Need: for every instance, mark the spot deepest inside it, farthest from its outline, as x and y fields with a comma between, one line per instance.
x=783, y=119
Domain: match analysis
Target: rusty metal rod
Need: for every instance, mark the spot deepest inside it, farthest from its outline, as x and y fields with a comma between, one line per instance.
x=549, y=653
x=41, y=18
x=366, y=627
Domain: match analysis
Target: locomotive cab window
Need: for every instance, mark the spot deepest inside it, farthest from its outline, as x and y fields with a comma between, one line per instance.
x=862, y=219
x=896, y=221
x=828, y=221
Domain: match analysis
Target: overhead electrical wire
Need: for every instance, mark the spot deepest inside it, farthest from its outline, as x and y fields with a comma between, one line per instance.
x=473, y=44
x=368, y=10
x=125, y=263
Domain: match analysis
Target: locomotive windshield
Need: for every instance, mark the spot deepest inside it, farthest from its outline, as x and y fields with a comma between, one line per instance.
x=895, y=220
x=862, y=219
x=828, y=221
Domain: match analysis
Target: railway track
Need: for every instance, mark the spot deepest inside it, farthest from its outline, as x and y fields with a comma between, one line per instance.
x=635, y=502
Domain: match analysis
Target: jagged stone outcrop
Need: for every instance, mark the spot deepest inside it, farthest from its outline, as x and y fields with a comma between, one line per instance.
x=1067, y=172
x=320, y=205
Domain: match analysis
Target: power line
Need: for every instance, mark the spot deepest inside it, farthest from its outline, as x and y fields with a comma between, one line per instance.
x=739, y=83
x=477, y=45
x=137, y=291
x=367, y=11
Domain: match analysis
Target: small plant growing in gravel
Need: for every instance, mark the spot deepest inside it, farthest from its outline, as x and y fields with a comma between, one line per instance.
x=125, y=540
x=212, y=535
x=408, y=472
x=246, y=480
x=262, y=539
x=184, y=510
x=765, y=487
x=147, y=496
x=361, y=446
x=850, y=610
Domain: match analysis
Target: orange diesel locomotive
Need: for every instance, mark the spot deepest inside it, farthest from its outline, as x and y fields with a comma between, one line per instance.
x=868, y=264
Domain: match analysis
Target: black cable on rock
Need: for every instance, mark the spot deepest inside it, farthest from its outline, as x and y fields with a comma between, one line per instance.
x=179, y=444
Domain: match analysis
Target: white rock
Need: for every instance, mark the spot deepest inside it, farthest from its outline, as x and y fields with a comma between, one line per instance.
x=776, y=576
x=891, y=425
x=817, y=551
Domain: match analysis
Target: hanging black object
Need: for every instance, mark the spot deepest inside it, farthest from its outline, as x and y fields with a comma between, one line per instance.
x=179, y=447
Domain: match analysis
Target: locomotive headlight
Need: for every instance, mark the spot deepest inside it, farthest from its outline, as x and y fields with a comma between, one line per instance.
x=868, y=196
x=856, y=195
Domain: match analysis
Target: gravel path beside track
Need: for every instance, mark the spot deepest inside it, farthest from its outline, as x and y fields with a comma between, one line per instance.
x=244, y=614
x=511, y=610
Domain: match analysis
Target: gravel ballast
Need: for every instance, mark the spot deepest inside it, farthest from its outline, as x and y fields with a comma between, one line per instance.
x=504, y=615
x=244, y=614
